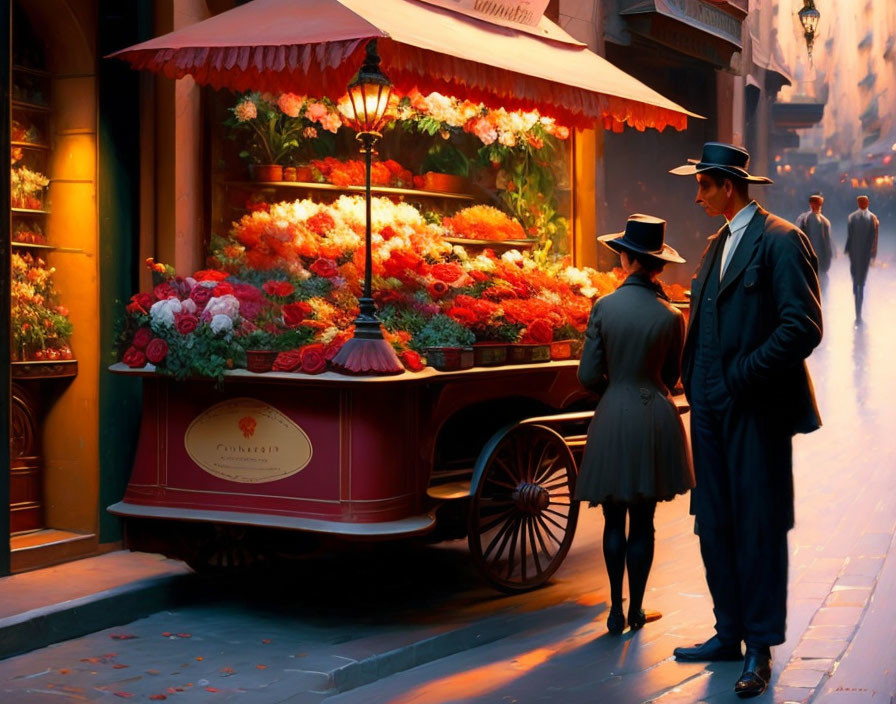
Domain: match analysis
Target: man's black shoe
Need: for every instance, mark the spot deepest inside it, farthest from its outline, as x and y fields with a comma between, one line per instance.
x=711, y=650
x=756, y=675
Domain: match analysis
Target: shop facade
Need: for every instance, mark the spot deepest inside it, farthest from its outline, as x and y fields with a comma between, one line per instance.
x=143, y=167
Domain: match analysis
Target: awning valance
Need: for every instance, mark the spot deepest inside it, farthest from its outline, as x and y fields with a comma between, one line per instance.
x=316, y=46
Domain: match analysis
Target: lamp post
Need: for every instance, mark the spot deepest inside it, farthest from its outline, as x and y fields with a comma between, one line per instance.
x=809, y=17
x=367, y=352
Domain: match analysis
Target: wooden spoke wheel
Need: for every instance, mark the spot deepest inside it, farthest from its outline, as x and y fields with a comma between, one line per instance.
x=522, y=515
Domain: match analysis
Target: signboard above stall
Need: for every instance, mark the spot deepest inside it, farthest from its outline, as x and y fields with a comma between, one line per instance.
x=693, y=27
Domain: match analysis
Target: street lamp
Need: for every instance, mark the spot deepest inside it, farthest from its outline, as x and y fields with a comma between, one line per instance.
x=809, y=17
x=367, y=352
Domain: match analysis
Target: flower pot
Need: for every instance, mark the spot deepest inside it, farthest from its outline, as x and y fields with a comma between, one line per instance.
x=260, y=361
x=444, y=183
x=522, y=353
x=304, y=173
x=289, y=173
x=489, y=354
x=266, y=172
x=449, y=359
x=562, y=349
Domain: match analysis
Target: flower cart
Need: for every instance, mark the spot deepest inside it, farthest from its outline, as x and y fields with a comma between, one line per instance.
x=225, y=477
x=466, y=285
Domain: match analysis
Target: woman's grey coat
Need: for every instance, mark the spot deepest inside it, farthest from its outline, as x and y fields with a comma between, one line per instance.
x=637, y=448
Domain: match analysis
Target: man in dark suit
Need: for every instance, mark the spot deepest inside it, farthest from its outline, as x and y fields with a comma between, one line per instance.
x=861, y=246
x=818, y=229
x=755, y=317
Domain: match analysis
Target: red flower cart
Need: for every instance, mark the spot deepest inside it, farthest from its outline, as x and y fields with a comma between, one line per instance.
x=227, y=476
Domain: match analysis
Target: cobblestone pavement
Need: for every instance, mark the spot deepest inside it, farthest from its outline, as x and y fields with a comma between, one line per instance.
x=354, y=619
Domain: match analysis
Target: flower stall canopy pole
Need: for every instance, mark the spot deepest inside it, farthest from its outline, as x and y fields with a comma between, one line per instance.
x=315, y=46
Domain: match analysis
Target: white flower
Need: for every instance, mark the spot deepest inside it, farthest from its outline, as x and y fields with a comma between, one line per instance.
x=227, y=305
x=512, y=256
x=189, y=305
x=221, y=323
x=163, y=312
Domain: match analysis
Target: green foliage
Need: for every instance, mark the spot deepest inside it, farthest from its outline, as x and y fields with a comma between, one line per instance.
x=394, y=319
x=445, y=158
x=200, y=353
x=442, y=331
x=315, y=287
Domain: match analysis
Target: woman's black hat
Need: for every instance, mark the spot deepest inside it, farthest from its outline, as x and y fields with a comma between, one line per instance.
x=643, y=234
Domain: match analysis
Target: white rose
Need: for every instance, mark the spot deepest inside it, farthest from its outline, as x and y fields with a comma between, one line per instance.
x=163, y=312
x=221, y=323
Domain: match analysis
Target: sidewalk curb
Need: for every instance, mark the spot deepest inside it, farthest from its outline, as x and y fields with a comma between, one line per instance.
x=47, y=625
x=376, y=667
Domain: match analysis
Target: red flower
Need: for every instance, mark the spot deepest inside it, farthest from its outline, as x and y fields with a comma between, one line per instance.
x=156, y=350
x=464, y=316
x=539, y=331
x=437, y=289
x=134, y=358
x=324, y=267
x=200, y=295
x=387, y=232
x=222, y=289
x=478, y=276
x=288, y=361
x=140, y=303
x=321, y=223
x=411, y=360
x=278, y=288
x=163, y=291
x=447, y=272
x=142, y=338
x=210, y=275
x=185, y=323
x=294, y=313
x=313, y=359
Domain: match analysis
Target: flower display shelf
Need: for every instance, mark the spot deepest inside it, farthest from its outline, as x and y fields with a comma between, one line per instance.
x=29, y=145
x=32, y=245
x=450, y=359
x=45, y=369
x=31, y=107
x=381, y=190
x=493, y=244
x=490, y=354
x=29, y=211
x=522, y=353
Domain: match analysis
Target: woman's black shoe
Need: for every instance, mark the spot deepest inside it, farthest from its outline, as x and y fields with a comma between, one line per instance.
x=616, y=621
x=637, y=619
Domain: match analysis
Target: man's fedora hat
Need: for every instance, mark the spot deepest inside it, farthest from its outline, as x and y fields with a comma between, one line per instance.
x=722, y=157
x=644, y=234
x=816, y=196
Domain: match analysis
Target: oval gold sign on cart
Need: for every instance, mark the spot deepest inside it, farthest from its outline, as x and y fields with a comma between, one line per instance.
x=246, y=440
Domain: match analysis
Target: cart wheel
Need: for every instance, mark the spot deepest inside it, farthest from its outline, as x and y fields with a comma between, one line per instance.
x=522, y=517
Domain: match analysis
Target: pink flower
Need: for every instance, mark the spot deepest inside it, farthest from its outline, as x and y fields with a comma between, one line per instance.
x=290, y=104
x=309, y=133
x=201, y=294
x=331, y=122
x=245, y=111
x=316, y=111
x=222, y=305
x=134, y=358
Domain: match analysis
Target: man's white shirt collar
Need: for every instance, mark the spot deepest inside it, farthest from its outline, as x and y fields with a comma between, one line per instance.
x=737, y=225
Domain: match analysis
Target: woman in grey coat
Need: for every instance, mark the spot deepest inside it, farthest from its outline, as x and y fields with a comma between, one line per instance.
x=637, y=452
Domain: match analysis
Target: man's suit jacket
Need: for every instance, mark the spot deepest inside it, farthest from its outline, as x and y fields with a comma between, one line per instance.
x=769, y=320
x=861, y=239
x=818, y=229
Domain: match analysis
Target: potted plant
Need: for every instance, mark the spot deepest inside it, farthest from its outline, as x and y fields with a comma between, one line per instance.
x=446, y=343
x=261, y=351
x=566, y=343
x=273, y=134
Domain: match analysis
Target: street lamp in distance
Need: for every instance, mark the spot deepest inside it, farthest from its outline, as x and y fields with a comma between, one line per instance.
x=367, y=352
x=809, y=17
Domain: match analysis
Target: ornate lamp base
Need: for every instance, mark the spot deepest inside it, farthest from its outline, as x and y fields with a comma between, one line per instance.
x=367, y=353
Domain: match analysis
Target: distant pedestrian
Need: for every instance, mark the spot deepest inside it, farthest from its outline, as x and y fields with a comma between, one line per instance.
x=637, y=451
x=818, y=229
x=755, y=317
x=861, y=246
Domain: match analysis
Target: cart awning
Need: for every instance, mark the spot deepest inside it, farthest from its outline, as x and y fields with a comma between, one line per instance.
x=315, y=47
